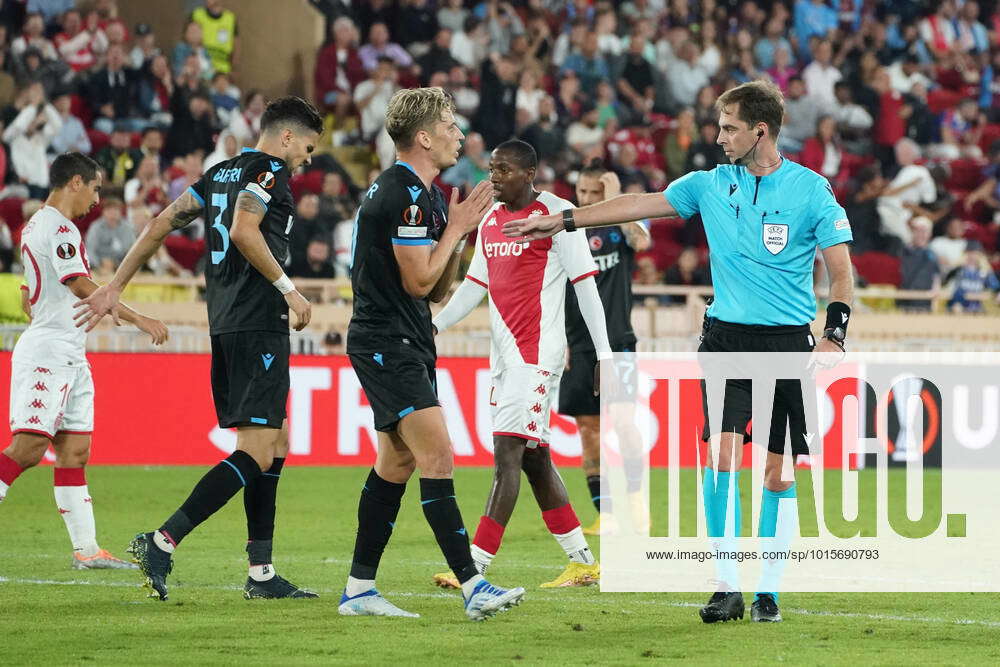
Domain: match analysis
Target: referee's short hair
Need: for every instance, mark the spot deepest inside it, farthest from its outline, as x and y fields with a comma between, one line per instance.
x=414, y=109
x=68, y=165
x=760, y=102
x=291, y=110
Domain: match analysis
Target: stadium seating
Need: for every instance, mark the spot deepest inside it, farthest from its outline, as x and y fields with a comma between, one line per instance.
x=878, y=268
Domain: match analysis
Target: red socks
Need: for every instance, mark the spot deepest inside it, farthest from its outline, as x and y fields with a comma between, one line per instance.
x=9, y=470
x=561, y=520
x=488, y=535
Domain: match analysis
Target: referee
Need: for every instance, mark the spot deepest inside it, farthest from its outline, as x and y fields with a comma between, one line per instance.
x=764, y=217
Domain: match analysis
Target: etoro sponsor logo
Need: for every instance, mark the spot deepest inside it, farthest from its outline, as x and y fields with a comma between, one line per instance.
x=503, y=249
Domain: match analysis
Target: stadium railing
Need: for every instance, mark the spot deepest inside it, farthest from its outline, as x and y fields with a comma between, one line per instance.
x=665, y=317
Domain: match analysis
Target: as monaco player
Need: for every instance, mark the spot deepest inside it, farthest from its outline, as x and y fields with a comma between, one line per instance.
x=527, y=290
x=51, y=392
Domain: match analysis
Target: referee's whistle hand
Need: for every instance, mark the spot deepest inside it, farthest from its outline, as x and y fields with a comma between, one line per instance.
x=299, y=305
x=826, y=354
x=466, y=215
x=537, y=227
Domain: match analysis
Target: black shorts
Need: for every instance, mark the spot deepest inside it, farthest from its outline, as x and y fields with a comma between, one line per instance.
x=250, y=378
x=395, y=384
x=576, y=387
x=789, y=411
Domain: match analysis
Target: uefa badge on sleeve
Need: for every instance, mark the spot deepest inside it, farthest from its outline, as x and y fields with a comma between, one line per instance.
x=266, y=180
x=66, y=251
x=412, y=215
x=412, y=228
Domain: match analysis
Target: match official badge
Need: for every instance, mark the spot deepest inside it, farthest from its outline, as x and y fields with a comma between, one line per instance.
x=412, y=215
x=775, y=238
x=66, y=251
x=266, y=180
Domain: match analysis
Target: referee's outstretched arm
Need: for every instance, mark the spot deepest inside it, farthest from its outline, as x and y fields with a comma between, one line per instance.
x=614, y=211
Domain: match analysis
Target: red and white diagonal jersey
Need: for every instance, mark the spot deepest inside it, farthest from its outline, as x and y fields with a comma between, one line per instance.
x=52, y=252
x=527, y=286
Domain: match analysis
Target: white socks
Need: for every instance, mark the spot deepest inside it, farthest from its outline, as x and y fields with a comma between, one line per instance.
x=3, y=491
x=470, y=585
x=262, y=572
x=162, y=542
x=482, y=558
x=78, y=514
x=575, y=546
x=358, y=586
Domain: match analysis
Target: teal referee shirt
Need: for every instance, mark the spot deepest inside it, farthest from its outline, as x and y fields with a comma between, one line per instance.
x=762, y=236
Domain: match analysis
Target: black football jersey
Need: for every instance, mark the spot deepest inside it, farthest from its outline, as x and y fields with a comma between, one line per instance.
x=239, y=297
x=615, y=260
x=396, y=210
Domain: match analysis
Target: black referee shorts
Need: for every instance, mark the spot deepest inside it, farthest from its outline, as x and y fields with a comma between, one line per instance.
x=250, y=378
x=737, y=407
x=576, y=386
x=396, y=384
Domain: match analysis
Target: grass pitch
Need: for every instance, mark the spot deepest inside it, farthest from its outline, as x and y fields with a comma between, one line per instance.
x=52, y=615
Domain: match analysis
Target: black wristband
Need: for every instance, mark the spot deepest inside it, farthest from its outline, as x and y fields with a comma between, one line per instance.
x=568, y=223
x=838, y=315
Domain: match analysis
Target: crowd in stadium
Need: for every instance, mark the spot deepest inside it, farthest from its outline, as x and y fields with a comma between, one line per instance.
x=894, y=102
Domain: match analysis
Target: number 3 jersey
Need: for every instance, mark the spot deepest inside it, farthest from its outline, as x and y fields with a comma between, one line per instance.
x=239, y=297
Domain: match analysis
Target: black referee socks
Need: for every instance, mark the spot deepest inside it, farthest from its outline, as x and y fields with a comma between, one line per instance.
x=377, y=510
x=437, y=496
x=210, y=493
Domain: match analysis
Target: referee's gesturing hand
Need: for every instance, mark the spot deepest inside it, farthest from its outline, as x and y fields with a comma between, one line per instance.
x=826, y=354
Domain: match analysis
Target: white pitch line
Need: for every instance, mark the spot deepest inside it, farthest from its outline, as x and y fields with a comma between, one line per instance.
x=440, y=565
x=532, y=596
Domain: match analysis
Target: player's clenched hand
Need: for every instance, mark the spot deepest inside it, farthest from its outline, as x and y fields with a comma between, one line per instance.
x=155, y=328
x=301, y=307
x=537, y=227
x=826, y=354
x=92, y=309
x=467, y=214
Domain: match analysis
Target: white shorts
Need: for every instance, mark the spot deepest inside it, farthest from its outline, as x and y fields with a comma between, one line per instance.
x=47, y=400
x=521, y=402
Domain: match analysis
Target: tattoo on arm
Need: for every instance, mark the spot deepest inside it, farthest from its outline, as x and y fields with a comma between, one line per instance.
x=184, y=209
x=250, y=204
